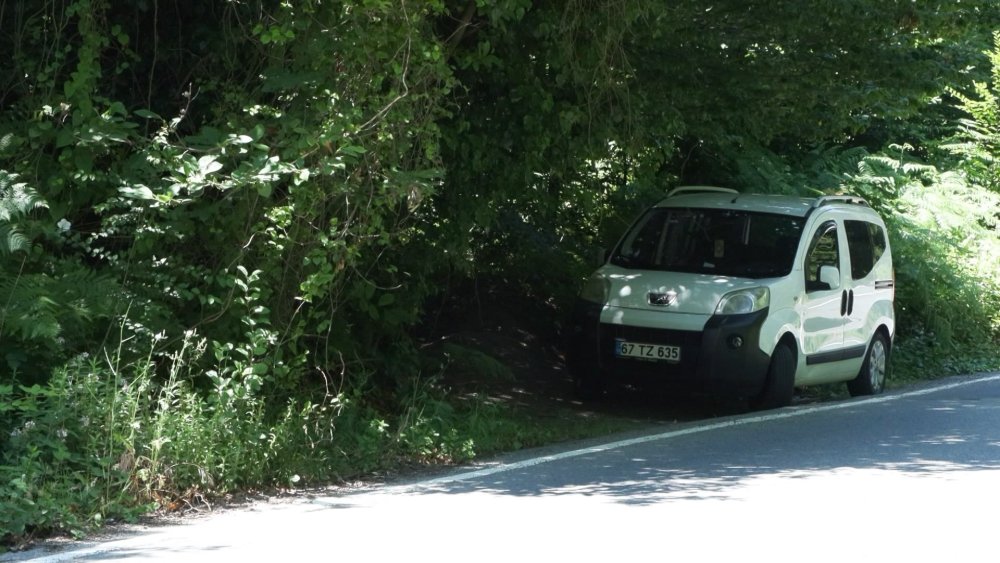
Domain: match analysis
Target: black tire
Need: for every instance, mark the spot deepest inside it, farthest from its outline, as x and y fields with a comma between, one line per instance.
x=779, y=387
x=874, y=370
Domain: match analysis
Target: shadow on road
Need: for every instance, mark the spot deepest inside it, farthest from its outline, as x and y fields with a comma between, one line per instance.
x=925, y=436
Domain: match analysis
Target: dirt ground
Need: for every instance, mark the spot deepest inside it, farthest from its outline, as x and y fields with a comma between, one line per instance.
x=508, y=346
x=496, y=352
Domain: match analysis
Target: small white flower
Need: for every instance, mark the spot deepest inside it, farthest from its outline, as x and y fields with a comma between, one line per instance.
x=84, y=421
x=62, y=433
x=64, y=225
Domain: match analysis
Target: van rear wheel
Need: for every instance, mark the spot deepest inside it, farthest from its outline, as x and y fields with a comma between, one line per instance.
x=780, y=384
x=871, y=378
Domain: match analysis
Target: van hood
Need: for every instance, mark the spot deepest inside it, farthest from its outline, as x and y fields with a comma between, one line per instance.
x=675, y=292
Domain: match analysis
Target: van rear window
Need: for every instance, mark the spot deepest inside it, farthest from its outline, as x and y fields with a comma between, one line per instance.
x=866, y=242
x=711, y=241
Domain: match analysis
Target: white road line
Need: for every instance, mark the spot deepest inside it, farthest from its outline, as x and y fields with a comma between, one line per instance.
x=728, y=423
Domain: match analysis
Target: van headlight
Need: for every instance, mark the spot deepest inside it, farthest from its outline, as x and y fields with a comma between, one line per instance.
x=596, y=289
x=744, y=301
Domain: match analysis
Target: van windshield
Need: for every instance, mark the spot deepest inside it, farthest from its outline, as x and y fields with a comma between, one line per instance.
x=711, y=241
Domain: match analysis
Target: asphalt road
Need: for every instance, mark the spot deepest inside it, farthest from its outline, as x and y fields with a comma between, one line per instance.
x=912, y=475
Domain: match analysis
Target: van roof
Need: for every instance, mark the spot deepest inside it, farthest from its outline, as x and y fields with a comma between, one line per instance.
x=716, y=198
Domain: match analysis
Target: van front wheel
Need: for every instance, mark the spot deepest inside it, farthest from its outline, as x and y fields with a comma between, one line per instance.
x=780, y=384
x=871, y=378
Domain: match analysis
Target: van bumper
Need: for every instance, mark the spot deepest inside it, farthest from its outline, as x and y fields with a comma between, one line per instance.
x=723, y=358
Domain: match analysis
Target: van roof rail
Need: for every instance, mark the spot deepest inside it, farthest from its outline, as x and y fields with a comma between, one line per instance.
x=701, y=189
x=849, y=199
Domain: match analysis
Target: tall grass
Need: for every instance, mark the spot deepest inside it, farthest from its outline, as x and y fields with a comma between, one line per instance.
x=108, y=440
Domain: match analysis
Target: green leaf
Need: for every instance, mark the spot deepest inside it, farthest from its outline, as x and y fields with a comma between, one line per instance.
x=208, y=165
x=138, y=192
x=352, y=150
x=206, y=137
x=83, y=159
x=65, y=137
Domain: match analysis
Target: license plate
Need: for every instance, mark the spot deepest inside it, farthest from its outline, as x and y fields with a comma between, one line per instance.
x=659, y=352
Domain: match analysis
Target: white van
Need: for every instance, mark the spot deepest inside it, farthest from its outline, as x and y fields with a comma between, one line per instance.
x=742, y=295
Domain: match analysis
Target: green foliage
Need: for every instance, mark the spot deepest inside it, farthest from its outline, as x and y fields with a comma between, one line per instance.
x=17, y=200
x=574, y=115
x=360, y=155
x=464, y=360
x=308, y=176
x=427, y=430
x=946, y=247
x=50, y=307
x=47, y=317
x=240, y=195
x=978, y=140
x=102, y=440
x=55, y=462
x=248, y=206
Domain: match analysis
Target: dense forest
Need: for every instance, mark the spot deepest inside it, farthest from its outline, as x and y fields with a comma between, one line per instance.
x=228, y=228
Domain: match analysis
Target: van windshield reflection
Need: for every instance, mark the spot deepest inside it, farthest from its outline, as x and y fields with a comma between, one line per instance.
x=711, y=241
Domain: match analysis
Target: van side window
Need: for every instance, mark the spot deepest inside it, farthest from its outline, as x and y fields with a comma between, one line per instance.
x=878, y=241
x=866, y=244
x=823, y=251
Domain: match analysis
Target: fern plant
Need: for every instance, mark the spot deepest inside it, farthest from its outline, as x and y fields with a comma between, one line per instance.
x=46, y=318
x=49, y=307
x=937, y=214
x=977, y=142
x=17, y=200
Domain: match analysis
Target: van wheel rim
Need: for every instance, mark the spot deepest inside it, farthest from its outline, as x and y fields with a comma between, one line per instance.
x=876, y=365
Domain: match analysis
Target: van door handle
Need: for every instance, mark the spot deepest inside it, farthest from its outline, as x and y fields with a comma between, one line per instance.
x=843, y=303
x=850, y=302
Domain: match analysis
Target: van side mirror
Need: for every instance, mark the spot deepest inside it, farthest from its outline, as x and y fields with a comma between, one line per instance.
x=829, y=275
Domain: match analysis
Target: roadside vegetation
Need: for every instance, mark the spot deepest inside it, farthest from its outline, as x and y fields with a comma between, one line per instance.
x=235, y=237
